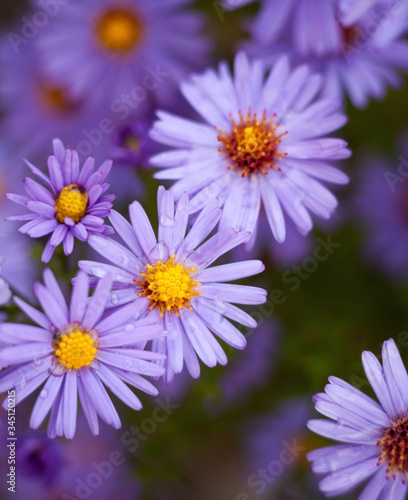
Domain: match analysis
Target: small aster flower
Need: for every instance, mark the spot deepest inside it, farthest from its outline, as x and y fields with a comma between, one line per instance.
x=358, y=46
x=263, y=140
x=375, y=435
x=128, y=47
x=169, y=278
x=77, y=351
x=74, y=208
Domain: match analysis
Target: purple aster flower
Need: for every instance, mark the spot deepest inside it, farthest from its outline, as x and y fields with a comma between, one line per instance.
x=74, y=208
x=169, y=278
x=263, y=140
x=359, y=46
x=126, y=52
x=132, y=145
x=375, y=435
x=381, y=207
x=76, y=350
x=37, y=107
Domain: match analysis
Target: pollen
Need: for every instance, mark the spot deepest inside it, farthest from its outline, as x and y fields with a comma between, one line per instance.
x=394, y=449
x=168, y=286
x=75, y=348
x=71, y=202
x=119, y=31
x=252, y=144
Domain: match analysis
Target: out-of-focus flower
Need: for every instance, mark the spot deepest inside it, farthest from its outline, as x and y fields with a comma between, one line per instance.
x=359, y=46
x=263, y=140
x=132, y=145
x=74, y=208
x=275, y=447
x=169, y=279
x=126, y=53
x=92, y=466
x=381, y=206
x=76, y=351
x=375, y=435
x=36, y=107
x=253, y=370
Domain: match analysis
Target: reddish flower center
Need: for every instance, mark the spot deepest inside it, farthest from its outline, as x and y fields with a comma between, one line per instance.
x=252, y=145
x=56, y=99
x=394, y=449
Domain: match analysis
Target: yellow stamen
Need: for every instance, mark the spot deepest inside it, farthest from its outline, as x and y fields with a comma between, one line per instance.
x=71, y=202
x=252, y=144
x=168, y=286
x=119, y=31
x=74, y=348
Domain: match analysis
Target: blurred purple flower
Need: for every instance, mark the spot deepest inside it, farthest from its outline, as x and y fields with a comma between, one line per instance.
x=132, y=145
x=88, y=466
x=276, y=444
x=5, y=292
x=75, y=351
x=263, y=140
x=74, y=208
x=381, y=206
x=250, y=372
x=359, y=47
x=37, y=107
x=375, y=434
x=169, y=279
x=108, y=50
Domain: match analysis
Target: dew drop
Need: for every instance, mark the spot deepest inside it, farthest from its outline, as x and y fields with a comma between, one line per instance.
x=167, y=221
x=129, y=327
x=127, y=363
x=114, y=298
x=43, y=393
x=38, y=361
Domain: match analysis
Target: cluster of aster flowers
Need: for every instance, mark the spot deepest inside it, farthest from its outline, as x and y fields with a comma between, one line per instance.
x=246, y=150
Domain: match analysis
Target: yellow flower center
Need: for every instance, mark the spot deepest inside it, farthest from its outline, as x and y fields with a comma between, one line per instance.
x=252, y=144
x=75, y=348
x=119, y=31
x=168, y=286
x=71, y=202
x=394, y=449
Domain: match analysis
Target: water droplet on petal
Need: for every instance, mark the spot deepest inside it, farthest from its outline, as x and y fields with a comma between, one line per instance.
x=114, y=298
x=127, y=363
x=38, y=361
x=167, y=221
x=43, y=393
x=129, y=327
